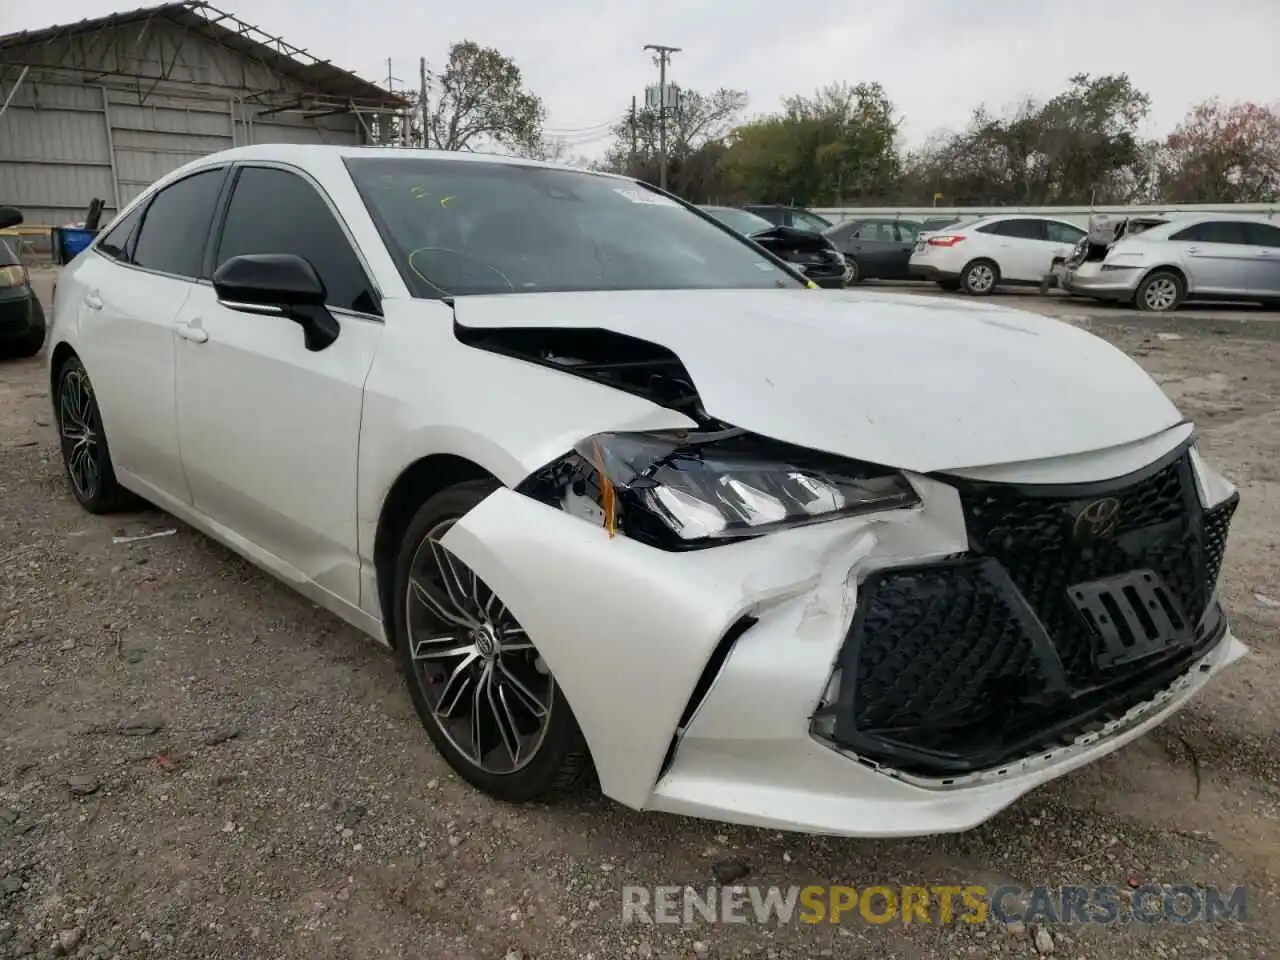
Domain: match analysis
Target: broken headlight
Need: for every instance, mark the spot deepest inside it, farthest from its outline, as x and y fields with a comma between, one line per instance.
x=684, y=489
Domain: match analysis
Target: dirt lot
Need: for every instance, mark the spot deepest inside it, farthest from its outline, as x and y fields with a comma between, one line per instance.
x=197, y=763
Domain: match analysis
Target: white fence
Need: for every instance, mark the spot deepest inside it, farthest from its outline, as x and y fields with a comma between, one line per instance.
x=1077, y=215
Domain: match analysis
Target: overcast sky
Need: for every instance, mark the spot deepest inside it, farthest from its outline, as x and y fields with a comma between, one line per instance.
x=936, y=58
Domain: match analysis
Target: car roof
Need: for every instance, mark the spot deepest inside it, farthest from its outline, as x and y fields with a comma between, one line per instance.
x=993, y=217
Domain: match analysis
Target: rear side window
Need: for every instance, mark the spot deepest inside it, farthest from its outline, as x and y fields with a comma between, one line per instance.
x=1019, y=229
x=1213, y=231
x=176, y=225
x=877, y=230
x=275, y=211
x=115, y=243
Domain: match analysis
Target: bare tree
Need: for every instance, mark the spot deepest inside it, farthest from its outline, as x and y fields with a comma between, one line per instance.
x=479, y=100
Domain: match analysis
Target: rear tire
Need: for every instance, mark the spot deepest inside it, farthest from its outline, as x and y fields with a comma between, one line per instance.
x=464, y=656
x=979, y=278
x=86, y=458
x=1161, y=291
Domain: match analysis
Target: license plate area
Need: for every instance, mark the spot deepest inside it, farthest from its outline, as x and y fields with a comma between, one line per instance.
x=1134, y=616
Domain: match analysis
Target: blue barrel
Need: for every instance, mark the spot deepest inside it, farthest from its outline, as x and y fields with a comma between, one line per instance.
x=69, y=241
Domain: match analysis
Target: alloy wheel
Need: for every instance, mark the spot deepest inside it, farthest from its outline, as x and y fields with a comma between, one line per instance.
x=80, y=434
x=981, y=277
x=487, y=689
x=1160, y=294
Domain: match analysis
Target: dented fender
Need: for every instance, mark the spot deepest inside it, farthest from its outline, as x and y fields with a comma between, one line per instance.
x=628, y=629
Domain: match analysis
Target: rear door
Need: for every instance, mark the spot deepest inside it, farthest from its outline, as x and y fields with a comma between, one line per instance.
x=1217, y=258
x=1020, y=247
x=1263, y=240
x=133, y=286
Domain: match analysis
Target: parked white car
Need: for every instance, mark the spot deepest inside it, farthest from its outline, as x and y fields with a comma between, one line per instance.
x=979, y=256
x=624, y=496
x=1206, y=257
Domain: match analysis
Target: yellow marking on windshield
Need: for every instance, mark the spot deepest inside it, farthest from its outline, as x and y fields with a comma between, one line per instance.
x=445, y=201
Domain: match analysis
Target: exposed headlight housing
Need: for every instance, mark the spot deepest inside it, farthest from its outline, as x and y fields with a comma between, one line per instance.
x=680, y=490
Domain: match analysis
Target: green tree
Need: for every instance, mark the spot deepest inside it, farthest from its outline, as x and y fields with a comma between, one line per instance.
x=834, y=147
x=1080, y=147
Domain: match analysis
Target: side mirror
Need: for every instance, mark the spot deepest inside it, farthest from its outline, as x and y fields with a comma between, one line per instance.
x=281, y=285
x=9, y=217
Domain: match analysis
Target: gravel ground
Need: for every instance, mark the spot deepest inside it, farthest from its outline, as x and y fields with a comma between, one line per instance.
x=198, y=763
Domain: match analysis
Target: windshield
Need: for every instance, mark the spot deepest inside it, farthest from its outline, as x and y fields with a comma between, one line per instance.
x=743, y=221
x=459, y=227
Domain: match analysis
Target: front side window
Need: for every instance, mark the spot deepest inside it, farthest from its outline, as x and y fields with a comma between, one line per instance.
x=1262, y=235
x=1063, y=232
x=176, y=225
x=458, y=227
x=275, y=211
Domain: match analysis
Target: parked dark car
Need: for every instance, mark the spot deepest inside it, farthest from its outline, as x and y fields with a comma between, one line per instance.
x=22, y=323
x=876, y=248
x=812, y=252
x=781, y=215
x=941, y=223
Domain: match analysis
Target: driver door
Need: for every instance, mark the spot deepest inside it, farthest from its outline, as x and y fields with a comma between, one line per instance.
x=269, y=430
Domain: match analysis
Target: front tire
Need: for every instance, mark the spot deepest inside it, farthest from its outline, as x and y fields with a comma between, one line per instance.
x=481, y=689
x=85, y=455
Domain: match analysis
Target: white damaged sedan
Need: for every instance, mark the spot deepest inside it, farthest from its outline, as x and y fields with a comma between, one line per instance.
x=632, y=503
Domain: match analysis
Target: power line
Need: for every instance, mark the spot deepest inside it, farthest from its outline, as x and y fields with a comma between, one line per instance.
x=590, y=128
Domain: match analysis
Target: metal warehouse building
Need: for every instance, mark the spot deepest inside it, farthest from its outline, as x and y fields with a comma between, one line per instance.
x=102, y=108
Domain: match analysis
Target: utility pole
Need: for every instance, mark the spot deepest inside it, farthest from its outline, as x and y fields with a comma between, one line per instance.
x=404, y=118
x=631, y=167
x=663, y=58
x=422, y=101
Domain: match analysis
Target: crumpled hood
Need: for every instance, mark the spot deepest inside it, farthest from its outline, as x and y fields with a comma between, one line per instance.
x=917, y=383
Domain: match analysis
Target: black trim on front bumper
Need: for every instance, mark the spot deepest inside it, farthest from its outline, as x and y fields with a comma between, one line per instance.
x=966, y=664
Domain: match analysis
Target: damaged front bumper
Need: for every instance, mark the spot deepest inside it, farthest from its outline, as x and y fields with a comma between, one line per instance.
x=797, y=680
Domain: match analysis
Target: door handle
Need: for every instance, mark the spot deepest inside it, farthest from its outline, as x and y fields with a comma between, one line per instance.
x=93, y=301
x=190, y=332
x=1193, y=249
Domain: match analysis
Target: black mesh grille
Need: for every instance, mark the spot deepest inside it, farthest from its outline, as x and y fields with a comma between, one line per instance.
x=973, y=662
x=956, y=640
x=1030, y=531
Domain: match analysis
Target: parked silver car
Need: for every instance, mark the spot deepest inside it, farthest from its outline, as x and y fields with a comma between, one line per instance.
x=1204, y=257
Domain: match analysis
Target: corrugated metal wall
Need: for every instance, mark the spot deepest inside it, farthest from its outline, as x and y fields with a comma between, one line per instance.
x=64, y=142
